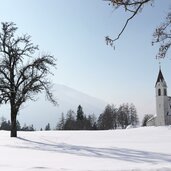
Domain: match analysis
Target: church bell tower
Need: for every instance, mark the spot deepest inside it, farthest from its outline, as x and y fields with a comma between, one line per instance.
x=161, y=100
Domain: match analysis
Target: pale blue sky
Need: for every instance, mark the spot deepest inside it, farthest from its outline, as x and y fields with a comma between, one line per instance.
x=74, y=32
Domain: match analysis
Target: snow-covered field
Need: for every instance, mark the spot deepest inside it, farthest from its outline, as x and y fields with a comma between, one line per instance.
x=138, y=149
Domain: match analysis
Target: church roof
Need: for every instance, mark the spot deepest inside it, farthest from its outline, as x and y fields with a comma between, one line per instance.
x=160, y=77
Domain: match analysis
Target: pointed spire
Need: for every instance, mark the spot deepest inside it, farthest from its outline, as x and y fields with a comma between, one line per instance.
x=160, y=77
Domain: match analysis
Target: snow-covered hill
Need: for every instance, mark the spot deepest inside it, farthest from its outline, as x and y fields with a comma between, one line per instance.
x=138, y=149
x=41, y=112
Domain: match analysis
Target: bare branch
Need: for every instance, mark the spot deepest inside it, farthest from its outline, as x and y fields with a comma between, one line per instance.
x=162, y=36
x=133, y=7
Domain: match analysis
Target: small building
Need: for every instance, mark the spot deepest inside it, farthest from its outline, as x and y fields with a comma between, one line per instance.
x=163, y=104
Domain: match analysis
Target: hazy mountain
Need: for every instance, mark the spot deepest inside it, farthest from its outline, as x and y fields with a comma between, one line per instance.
x=41, y=112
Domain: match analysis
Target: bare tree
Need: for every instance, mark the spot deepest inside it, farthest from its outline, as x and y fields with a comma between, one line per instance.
x=21, y=75
x=108, y=119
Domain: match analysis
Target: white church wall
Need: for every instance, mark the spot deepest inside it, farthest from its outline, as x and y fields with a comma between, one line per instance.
x=168, y=116
x=169, y=105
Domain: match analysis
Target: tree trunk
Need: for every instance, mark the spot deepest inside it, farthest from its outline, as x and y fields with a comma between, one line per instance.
x=13, y=123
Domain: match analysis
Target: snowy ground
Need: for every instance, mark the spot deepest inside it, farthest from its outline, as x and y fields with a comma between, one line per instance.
x=139, y=149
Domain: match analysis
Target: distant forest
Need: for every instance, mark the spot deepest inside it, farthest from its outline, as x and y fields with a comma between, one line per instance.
x=111, y=118
x=6, y=125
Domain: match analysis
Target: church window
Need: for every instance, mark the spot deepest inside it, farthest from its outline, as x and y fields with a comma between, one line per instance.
x=165, y=92
x=159, y=92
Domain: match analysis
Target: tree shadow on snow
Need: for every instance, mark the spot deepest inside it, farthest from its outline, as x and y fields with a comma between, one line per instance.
x=110, y=153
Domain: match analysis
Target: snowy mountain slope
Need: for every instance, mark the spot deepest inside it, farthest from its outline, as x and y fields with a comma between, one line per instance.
x=41, y=112
x=139, y=149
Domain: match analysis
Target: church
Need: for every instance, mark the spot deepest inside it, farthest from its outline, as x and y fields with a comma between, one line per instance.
x=163, y=104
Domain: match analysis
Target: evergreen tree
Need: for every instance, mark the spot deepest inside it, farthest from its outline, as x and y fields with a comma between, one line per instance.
x=5, y=125
x=80, y=113
x=80, y=123
x=47, y=127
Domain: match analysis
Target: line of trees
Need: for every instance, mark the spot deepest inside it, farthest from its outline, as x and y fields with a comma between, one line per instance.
x=77, y=121
x=6, y=125
x=111, y=118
